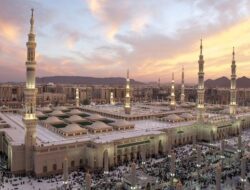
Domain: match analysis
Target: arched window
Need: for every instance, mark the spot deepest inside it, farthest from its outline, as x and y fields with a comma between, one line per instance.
x=45, y=170
x=54, y=167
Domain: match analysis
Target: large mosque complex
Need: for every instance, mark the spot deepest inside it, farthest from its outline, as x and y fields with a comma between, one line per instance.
x=50, y=140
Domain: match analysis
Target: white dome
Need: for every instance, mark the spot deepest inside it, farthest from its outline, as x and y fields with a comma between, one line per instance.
x=75, y=118
x=53, y=120
x=57, y=113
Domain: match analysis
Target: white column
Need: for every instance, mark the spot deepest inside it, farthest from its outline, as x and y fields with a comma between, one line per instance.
x=106, y=163
x=77, y=98
x=88, y=181
x=182, y=87
x=65, y=172
x=243, y=173
x=218, y=177
x=133, y=174
x=172, y=102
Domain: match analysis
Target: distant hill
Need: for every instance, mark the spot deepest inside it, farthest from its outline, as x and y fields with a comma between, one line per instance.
x=85, y=80
x=242, y=82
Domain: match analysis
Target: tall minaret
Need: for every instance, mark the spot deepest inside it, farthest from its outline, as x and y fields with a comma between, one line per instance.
x=172, y=102
x=127, y=105
x=233, y=105
x=159, y=82
x=182, y=87
x=112, y=101
x=77, y=98
x=200, y=90
x=29, y=118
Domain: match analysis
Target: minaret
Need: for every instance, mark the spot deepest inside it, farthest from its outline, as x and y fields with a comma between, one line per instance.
x=172, y=167
x=112, y=102
x=233, y=105
x=159, y=83
x=88, y=181
x=182, y=87
x=218, y=177
x=133, y=175
x=172, y=102
x=29, y=118
x=77, y=98
x=65, y=172
x=127, y=105
x=200, y=90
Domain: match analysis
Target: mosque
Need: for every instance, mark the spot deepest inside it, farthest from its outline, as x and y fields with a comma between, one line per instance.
x=50, y=140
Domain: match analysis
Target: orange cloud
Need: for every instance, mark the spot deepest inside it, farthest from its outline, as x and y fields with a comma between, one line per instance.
x=217, y=51
x=8, y=31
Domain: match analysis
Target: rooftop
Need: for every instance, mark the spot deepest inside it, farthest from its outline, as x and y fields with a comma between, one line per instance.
x=150, y=126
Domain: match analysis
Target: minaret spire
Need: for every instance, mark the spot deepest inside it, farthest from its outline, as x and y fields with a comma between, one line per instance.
x=201, y=47
x=127, y=105
x=182, y=87
x=30, y=91
x=200, y=89
x=172, y=102
x=233, y=54
x=233, y=91
x=32, y=21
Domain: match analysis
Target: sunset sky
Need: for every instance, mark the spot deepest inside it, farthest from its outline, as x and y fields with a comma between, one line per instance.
x=102, y=38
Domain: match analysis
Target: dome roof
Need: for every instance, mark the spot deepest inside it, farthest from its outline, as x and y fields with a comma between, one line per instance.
x=100, y=125
x=95, y=117
x=73, y=128
x=39, y=114
x=53, y=120
x=75, y=112
x=75, y=118
x=57, y=113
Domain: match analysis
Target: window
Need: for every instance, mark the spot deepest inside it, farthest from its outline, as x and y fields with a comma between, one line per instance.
x=80, y=162
x=54, y=167
x=72, y=163
x=45, y=169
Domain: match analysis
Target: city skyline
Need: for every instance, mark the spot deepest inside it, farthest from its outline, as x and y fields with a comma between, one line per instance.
x=104, y=38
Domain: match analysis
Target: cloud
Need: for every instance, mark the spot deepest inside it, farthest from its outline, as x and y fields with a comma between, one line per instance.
x=9, y=32
x=117, y=14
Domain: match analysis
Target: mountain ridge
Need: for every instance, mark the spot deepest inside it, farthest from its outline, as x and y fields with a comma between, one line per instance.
x=242, y=82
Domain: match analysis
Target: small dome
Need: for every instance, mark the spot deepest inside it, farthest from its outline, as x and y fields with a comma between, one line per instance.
x=95, y=117
x=100, y=125
x=71, y=128
x=57, y=113
x=40, y=114
x=53, y=120
x=75, y=112
x=76, y=118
